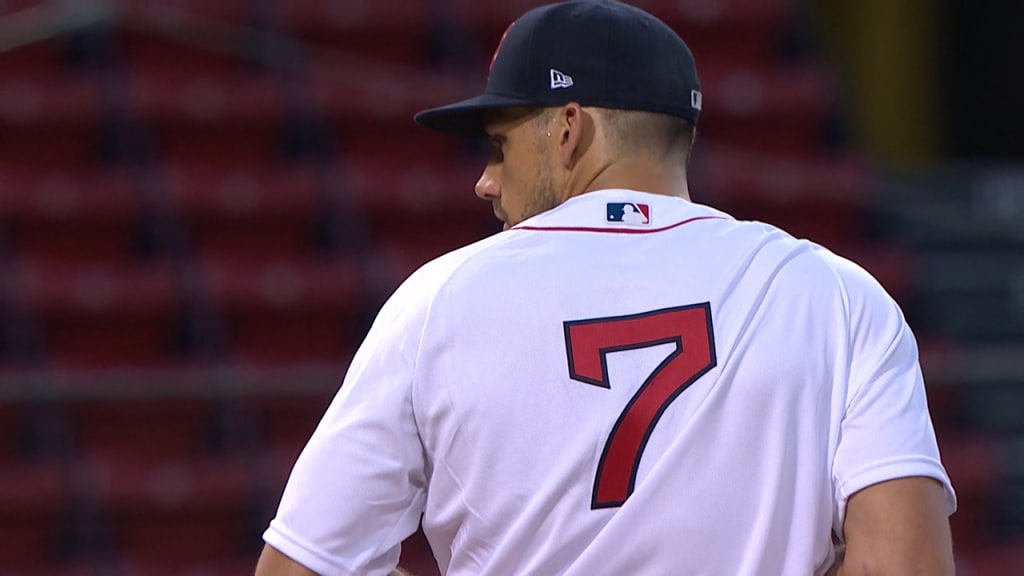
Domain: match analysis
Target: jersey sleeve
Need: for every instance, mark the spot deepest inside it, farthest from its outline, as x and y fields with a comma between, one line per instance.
x=357, y=489
x=886, y=431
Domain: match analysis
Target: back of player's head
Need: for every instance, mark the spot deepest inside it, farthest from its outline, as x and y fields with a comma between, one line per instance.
x=599, y=53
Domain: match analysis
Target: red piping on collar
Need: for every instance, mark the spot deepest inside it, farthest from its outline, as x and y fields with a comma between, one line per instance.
x=613, y=230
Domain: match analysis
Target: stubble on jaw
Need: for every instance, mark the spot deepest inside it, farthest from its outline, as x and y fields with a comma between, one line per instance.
x=543, y=197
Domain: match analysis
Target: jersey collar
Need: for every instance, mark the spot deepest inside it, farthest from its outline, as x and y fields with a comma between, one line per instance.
x=618, y=211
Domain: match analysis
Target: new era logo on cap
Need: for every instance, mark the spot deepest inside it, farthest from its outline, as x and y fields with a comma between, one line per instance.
x=595, y=53
x=628, y=213
x=560, y=79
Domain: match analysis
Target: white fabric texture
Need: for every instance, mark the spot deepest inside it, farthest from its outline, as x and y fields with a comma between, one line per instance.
x=488, y=390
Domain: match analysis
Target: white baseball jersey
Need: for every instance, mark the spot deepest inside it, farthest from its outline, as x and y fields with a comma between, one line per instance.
x=626, y=384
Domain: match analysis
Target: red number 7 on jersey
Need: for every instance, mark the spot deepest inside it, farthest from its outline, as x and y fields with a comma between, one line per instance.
x=588, y=342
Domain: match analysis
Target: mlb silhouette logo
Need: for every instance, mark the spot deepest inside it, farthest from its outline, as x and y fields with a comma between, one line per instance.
x=628, y=213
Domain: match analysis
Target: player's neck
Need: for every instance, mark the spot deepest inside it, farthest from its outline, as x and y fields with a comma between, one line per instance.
x=635, y=174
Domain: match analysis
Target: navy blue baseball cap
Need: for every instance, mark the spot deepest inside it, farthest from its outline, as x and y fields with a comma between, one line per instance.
x=601, y=53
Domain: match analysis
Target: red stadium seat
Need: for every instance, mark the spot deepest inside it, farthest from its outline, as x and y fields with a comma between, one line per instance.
x=774, y=110
x=974, y=464
x=219, y=117
x=366, y=95
x=34, y=57
x=206, y=48
x=401, y=141
x=278, y=398
x=936, y=352
x=359, y=26
x=15, y=419
x=944, y=401
x=418, y=189
x=14, y=7
x=255, y=210
x=489, y=16
x=424, y=203
x=708, y=13
x=240, y=565
x=823, y=199
x=286, y=421
x=724, y=13
x=355, y=16
x=277, y=462
x=48, y=118
x=991, y=559
x=34, y=501
x=149, y=428
x=702, y=23
x=48, y=99
x=103, y=315
x=85, y=214
x=55, y=567
x=284, y=406
x=286, y=310
x=173, y=511
x=179, y=14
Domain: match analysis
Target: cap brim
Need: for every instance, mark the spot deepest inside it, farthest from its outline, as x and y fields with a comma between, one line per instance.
x=465, y=118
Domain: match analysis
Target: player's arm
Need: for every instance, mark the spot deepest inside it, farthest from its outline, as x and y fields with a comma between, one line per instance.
x=273, y=563
x=892, y=494
x=897, y=527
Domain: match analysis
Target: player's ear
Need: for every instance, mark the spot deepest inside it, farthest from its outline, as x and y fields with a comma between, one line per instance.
x=571, y=131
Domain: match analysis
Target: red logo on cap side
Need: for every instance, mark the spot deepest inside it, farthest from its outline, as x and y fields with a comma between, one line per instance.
x=498, y=49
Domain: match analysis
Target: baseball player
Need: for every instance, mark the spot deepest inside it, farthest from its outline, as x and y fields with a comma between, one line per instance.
x=622, y=381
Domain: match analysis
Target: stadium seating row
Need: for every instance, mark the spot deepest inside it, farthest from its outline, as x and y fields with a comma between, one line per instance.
x=278, y=206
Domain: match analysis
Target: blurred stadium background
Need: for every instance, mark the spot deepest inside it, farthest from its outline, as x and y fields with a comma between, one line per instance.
x=203, y=202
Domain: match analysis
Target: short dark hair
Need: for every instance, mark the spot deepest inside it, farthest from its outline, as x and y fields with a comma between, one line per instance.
x=635, y=131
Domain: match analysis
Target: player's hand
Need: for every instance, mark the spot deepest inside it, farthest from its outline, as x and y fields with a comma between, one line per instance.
x=399, y=571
